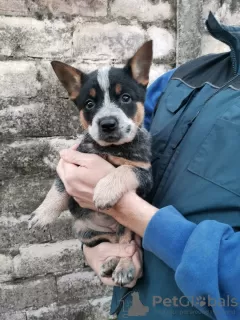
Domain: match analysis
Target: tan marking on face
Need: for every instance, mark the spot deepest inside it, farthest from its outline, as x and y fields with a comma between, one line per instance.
x=118, y=161
x=83, y=121
x=118, y=88
x=139, y=116
x=92, y=93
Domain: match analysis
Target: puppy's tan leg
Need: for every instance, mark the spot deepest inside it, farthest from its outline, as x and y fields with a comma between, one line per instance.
x=111, y=188
x=125, y=270
x=55, y=202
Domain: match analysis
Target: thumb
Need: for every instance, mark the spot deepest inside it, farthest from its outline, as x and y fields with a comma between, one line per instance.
x=75, y=146
x=120, y=250
x=72, y=156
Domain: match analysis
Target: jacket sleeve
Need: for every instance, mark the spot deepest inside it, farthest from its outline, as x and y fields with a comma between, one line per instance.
x=205, y=257
x=153, y=94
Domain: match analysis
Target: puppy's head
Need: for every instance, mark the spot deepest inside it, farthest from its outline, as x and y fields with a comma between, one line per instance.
x=110, y=100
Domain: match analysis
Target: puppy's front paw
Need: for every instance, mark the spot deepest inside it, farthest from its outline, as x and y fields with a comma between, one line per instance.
x=124, y=273
x=107, y=193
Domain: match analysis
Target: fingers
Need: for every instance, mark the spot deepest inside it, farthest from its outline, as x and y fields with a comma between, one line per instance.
x=117, y=250
x=96, y=256
x=106, y=250
x=72, y=156
x=137, y=261
x=76, y=157
x=138, y=240
x=108, y=281
x=66, y=171
x=75, y=146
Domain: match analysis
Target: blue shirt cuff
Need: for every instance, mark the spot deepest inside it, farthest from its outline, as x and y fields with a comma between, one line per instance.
x=167, y=234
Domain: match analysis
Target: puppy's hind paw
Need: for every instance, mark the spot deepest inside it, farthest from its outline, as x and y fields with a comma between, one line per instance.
x=108, y=267
x=124, y=273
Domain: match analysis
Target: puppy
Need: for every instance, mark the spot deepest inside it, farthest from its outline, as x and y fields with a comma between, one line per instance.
x=111, y=106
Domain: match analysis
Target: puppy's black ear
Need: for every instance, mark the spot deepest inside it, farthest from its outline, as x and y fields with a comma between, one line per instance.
x=139, y=65
x=70, y=78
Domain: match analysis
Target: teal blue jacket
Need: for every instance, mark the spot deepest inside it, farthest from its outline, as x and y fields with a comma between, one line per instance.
x=192, y=244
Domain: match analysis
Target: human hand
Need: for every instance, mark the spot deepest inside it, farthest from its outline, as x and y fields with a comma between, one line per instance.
x=80, y=172
x=101, y=253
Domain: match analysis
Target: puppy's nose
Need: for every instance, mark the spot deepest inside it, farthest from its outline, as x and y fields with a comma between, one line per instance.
x=108, y=124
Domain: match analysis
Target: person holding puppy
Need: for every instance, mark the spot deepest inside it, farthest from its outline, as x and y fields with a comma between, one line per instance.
x=190, y=221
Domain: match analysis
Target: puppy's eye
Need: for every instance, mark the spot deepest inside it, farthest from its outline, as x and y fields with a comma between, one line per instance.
x=126, y=98
x=89, y=104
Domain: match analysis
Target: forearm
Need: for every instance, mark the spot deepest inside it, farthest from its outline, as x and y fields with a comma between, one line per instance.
x=165, y=231
x=203, y=256
x=134, y=213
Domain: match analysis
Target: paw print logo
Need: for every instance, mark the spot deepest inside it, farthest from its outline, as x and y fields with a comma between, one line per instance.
x=201, y=301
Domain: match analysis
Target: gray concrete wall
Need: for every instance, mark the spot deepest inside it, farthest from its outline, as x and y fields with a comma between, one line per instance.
x=42, y=275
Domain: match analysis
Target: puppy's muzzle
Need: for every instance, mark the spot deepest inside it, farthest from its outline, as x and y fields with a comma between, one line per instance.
x=108, y=124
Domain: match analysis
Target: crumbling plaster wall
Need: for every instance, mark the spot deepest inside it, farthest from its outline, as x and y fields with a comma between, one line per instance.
x=42, y=275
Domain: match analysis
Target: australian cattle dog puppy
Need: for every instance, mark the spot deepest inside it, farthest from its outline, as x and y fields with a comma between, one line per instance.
x=111, y=106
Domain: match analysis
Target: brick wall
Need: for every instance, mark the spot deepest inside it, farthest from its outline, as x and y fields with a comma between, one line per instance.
x=42, y=276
